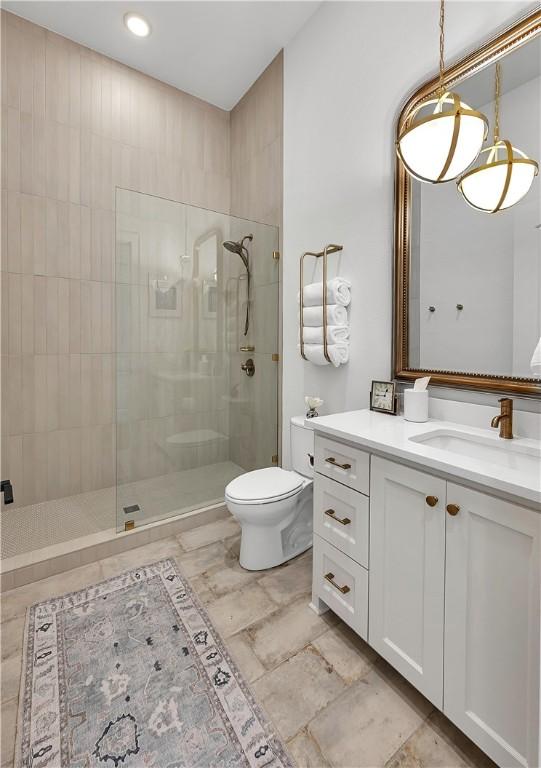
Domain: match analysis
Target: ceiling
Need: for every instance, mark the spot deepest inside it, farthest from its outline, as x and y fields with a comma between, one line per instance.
x=213, y=50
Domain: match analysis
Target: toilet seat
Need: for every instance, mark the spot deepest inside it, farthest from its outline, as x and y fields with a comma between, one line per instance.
x=264, y=486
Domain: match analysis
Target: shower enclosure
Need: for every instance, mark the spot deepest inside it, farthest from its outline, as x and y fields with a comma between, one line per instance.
x=189, y=417
x=140, y=405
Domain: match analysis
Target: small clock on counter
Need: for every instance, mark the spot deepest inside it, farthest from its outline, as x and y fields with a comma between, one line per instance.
x=383, y=397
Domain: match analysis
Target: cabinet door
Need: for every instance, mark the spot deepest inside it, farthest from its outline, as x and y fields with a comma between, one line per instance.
x=407, y=567
x=492, y=625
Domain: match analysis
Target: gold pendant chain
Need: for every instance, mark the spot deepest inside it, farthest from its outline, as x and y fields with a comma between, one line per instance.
x=442, y=43
x=497, y=103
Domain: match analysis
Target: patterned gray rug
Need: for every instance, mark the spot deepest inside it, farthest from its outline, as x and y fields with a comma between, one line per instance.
x=131, y=672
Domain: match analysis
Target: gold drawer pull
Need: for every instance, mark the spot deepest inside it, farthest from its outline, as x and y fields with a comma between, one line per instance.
x=453, y=509
x=333, y=461
x=432, y=501
x=330, y=578
x=341, y=520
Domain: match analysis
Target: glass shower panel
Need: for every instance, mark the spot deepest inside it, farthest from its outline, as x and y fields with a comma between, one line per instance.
x=253, y=400
x=189, y=420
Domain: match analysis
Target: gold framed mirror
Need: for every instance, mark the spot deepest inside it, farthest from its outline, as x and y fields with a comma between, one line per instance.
x=460, y=313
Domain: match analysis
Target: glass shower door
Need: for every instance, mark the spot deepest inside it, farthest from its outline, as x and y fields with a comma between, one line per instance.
x=189, y=419
x=253, y=412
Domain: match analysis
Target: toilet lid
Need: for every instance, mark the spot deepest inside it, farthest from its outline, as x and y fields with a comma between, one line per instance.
x=271, y=483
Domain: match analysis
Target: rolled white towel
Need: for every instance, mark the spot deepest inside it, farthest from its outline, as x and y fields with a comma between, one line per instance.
x=336, y=315
x=338, y=292
x=314, y=334
x=535, y=362
x=339, y=353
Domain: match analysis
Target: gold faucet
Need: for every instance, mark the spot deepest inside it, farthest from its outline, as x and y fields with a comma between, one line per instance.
x=505, y=419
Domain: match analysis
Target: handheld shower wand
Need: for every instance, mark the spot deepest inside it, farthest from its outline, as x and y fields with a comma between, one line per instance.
x=240, y=249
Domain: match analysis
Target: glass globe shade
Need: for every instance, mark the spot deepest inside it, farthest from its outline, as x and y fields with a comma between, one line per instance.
x=440, y=146
x=499, y=182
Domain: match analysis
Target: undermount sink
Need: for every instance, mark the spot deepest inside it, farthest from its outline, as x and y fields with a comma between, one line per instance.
x=512, y=454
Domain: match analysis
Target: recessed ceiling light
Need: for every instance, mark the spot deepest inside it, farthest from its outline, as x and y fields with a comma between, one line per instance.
x=137, y=24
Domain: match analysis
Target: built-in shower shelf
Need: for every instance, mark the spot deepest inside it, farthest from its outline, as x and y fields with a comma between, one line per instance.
x=196, y=437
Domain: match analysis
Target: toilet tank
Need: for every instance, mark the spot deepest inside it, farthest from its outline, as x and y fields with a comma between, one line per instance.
x=302, y=447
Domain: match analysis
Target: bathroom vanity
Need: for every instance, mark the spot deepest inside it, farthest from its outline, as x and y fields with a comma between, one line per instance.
x=427, y=543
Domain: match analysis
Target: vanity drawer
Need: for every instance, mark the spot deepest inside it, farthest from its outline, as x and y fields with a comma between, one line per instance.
x=342, y=584
x=341, y=517
x=347, y=465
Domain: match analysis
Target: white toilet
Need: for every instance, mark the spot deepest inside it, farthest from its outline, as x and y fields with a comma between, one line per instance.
x=274, y=505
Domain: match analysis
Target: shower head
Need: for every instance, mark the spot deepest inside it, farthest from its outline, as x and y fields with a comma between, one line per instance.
x=239, y=248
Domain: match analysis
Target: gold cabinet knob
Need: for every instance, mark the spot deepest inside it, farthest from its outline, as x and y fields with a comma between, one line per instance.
x=432, y=501
x=453, y=509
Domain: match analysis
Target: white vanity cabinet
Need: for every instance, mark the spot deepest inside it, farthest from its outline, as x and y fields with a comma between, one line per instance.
x=407, y=573
x=491, y=641
x=444, y=581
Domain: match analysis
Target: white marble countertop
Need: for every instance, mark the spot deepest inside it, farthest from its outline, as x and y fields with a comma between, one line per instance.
x=391, y=435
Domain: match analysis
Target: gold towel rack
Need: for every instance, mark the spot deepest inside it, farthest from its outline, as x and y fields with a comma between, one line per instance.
x=331, y=248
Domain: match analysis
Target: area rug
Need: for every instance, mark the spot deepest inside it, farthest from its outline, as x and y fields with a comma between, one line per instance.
x=131, y=672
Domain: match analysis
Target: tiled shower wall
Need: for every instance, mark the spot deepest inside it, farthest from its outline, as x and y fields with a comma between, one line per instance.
x=256, y=193
x=76, y=125
x=256, y=148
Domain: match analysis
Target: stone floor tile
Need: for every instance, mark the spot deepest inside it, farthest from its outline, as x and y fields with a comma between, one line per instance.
x=439, y=744
x=305, y=752
x=139, y=556
x=237, y=610
x=230, y=578
x=287, y=584
x=208, y=534
x=297, y=690
x=368, y=723
x=15, y=601
x=350, y=656
x=198, y=561
x=241, y=651
x=8, y=726
x=201, y=588
x=11, y=636
x=281, y=635
x=10, y=674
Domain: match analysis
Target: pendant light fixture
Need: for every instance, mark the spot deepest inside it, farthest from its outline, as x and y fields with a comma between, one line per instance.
x=443, y=136
x=504, y=175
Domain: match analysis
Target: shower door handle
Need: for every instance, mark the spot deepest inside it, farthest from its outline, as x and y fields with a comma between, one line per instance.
x=7, y=489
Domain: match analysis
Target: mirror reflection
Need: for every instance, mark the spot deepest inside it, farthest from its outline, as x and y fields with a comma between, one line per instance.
x=475, y=278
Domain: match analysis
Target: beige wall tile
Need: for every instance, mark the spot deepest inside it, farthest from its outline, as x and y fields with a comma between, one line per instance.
x=33, y=235
x=34, y=480
x=14, y=314
x=13, y=394
x=13, y=230
x=40, y=315
x=13, y=160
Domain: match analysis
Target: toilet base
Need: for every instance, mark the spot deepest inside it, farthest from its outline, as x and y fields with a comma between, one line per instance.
x=251, y=558
x=273, y=533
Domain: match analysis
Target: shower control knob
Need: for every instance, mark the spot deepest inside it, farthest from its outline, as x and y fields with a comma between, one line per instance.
x=248, y=367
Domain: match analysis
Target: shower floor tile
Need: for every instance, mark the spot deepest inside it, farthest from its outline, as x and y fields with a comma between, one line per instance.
x=48, y=523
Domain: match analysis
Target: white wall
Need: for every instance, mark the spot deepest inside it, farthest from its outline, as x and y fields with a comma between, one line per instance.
x=346, y=75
